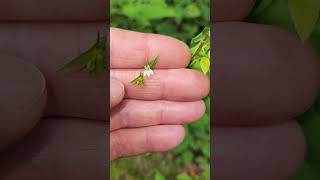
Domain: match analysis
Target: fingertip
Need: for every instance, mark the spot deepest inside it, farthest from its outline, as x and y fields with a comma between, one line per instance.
x=203, y=85
x=116, y=92
x=166, y=137
x=185, y=53
x=200, y=83
x=195, y=110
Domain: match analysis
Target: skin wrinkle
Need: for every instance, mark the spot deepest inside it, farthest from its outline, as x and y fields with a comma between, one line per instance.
x=147, y=144
x=162, y=110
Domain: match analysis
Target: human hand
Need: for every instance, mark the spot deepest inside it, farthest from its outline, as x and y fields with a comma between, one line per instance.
x=151, y=116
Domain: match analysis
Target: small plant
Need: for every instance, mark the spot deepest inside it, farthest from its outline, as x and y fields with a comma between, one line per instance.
x=148, y=71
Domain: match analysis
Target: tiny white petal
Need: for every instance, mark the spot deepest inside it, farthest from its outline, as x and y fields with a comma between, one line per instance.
x=148, y=73
x=145, y=73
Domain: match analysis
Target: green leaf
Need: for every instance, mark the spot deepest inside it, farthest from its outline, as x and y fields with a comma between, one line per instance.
x=183, y=176
x=93, y=60
x=305, y=14
x=187, y=158
x=205, y=64
x=139, y=80
x=207, y=103
x=81, y=60
x=192, y=11
x=261, y=6
x=159, y=176
x=153, y=62
x=147, y=11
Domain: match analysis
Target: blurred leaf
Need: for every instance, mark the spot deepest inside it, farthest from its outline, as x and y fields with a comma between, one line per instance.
x=207, y=103
x=81, y=60
x=306, y=172
x=159, y=176
x=310, y=121
x=183, y=176
x=261, y=6
x=187, y=158
x=148, y=11
x=192, y=11
x=93, y=60
x=205, y=64
x=305, y=15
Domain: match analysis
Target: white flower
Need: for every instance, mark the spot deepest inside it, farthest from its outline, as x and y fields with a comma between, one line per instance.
x=147, y=71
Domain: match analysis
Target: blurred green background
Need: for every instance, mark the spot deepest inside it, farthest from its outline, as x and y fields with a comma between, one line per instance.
x=182, y=19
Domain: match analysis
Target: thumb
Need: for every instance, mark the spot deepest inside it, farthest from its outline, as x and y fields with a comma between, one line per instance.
x=116, y=92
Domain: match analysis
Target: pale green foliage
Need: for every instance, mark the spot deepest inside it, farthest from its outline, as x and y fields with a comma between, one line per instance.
x=200, y=51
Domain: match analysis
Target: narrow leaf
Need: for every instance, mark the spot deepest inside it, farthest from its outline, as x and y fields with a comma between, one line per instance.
x=153, y=62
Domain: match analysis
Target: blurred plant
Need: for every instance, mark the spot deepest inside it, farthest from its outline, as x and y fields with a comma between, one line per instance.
x=178, y=18
x=294, y=15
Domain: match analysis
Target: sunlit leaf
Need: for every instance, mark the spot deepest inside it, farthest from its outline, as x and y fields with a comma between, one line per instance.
x=159, y=176
x=205, y=65
x=183, y=176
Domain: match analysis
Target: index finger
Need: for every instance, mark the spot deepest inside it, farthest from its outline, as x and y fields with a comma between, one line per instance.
x=130, y=49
